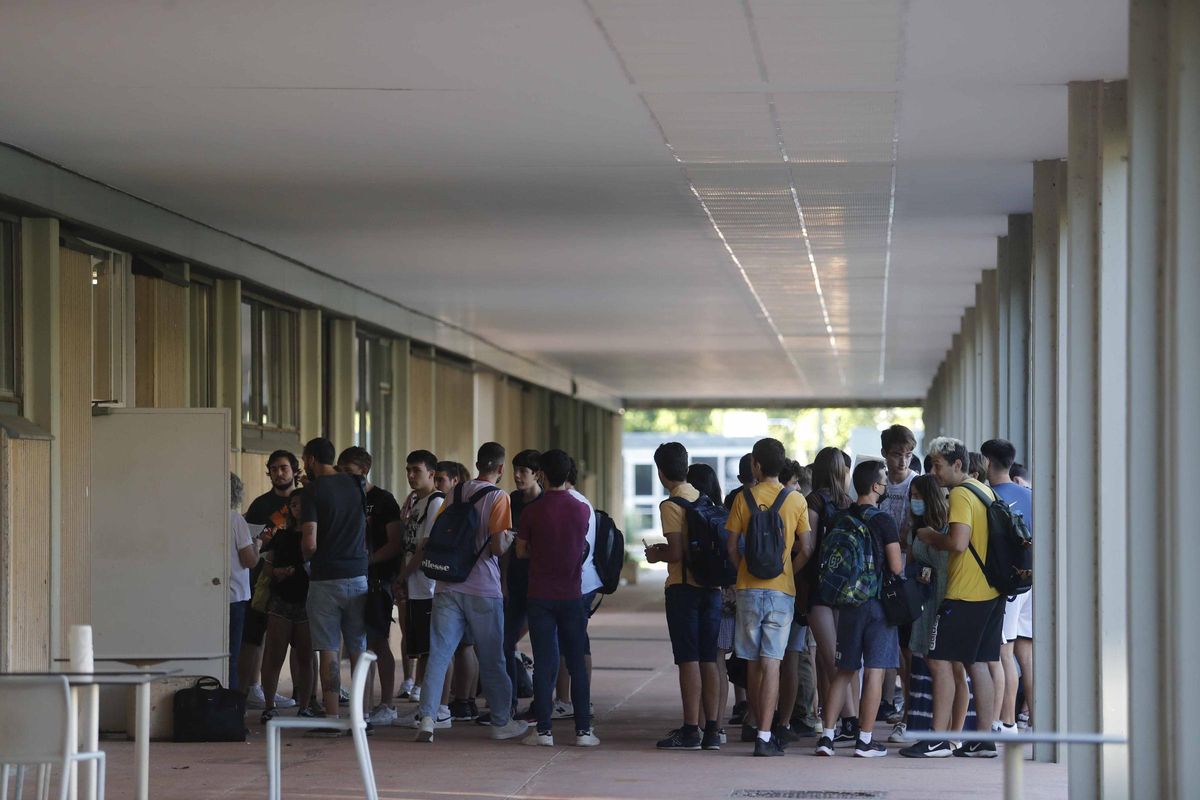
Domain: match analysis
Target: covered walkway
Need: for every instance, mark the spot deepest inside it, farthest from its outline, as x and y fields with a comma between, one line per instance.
x=636, y=697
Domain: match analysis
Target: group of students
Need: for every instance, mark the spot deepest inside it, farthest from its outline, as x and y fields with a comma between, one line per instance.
x=815, y=608
x=334, y=555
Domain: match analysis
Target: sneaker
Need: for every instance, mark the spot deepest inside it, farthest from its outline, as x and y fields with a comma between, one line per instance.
x=563, y=710
x=886, y=709
x=721, y=735
x=284, y=702
x=414, y=720
x=405, y=689
x=824, y=747
x=586, y=738
x=940, y=749
x=343, y=697
x=268, y=715
x=369, y=729
x=536, y=739
x=784, y=735
x=414, y=695
x=1022, y=720
x=678, y=740
x=527, y=715
x=871, y=749
x=749, y=733
x=460, y=710
x=1007, y=730
x=899, y=734
x=255, y=697
x=896, y=716
x=977, y=750
x=425, y=729
x=382, y=714
x=712, y=740
x=484, y=718
x=309, y=712
x=768, y=748
x=739, y=713
x=511, y=730
x=848, y=735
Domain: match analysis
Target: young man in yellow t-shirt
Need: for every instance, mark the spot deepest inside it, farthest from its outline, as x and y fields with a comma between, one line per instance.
x=693, y=612
x=765, y=606
x=970, y=620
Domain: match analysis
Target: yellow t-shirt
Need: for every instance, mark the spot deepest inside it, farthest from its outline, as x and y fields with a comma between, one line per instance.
x=966, y=580
x=674, y=520
x=794, y=512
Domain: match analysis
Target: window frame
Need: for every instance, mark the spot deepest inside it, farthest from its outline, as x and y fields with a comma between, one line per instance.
x=11, y=397
x=121, y=331
x=282, y=368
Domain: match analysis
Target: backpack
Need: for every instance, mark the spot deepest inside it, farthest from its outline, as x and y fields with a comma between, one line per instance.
x=1009, y=566
x=704, y=553
x=849, y=566
x=609, y=554
x=764, y=537
x=450, y=552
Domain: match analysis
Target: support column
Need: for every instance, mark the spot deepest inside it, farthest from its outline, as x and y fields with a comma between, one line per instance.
x=1163, y=391
x=989, y=363
x=970, y=377
x=1049, y=537
x=341, y=382
x=1017, y=308
x=1095, y=433
x=1003, y=303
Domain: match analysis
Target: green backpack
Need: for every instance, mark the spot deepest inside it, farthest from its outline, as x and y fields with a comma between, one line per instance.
x=849, y=566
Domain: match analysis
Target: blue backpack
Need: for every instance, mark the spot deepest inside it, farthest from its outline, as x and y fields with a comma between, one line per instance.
x=704, y=553
x=450, y=552
x=765, y=538
x=849, y=566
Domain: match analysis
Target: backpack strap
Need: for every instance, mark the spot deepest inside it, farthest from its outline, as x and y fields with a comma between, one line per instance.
x=475, y=498
x=751, y=503
x=780, y=499
x=987, y=501
x=686, y=506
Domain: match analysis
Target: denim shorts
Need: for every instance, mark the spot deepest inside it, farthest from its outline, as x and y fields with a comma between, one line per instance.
x=764, y=623
x=336, y=611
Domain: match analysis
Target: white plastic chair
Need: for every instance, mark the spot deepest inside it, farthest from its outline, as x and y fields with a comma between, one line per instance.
x=38, y=729
x=356, y=724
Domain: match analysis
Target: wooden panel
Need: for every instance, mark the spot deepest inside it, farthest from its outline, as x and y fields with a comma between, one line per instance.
x=24, y=554
x=420, y=404
x=454, y=423
x=160, y=323
x=75, y=437
x=252, y=469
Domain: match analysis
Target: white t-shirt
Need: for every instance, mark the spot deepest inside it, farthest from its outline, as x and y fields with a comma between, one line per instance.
x=239, y=576
x=589, y=580
x=421, y=519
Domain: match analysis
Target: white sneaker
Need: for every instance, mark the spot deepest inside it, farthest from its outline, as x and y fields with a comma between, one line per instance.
x=1007, y=730
x=255, y=697
x=414, y=696
x=563, y=710
x=513, y=729
x=425, y=730
x=586, y=738
x=382, y=715
x=405, y=689
x=536, y=739
x=414, y=719
x=283, y=702
x=899, y=734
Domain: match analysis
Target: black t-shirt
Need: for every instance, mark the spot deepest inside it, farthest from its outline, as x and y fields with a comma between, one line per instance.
x=335, y=502
x=882, y=527
x=729, y=498
x=518, y=568
x=382, y=510
x=285, y=552
x=268, y=509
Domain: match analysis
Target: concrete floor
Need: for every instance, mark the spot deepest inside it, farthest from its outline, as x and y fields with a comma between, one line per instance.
x=636, y=700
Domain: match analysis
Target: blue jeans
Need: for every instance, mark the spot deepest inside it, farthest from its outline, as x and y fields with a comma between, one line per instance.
x=237, y=621
x=337, y=611
x=554, y=624
x=764, y=623
x=456, y=613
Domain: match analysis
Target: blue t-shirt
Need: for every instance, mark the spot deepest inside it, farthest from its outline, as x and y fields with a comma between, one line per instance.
x=1019, y=499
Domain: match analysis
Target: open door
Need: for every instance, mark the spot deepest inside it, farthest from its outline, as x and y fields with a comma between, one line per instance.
x=160, y=537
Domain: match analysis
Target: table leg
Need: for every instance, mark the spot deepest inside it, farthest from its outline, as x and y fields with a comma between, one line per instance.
x=72, y=748
x=1014, y=766
x=141, y=751
x=89, y=736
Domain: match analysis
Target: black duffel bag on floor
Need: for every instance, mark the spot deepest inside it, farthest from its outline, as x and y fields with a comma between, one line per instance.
x=209, y=713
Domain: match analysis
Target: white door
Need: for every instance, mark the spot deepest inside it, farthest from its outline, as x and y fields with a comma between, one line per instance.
x=160, y=537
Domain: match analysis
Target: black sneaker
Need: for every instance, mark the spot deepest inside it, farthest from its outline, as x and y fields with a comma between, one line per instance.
x=486, y=718
x=940, y=749
x=749, y=733
x=461, y=710
x=784, y=735
x=977, y=750
x=872, y=749
x=678, y=740
x=370, y=729
x=739, y=713
x=711, y=740
x=824, y=747
x=768, y=748
x=848, y=734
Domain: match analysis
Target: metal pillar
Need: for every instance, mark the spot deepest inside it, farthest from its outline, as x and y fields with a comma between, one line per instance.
x=1016, y=347
x=1003, y=301
x=989, y=372
x=1094, y=433
x=1163, y=390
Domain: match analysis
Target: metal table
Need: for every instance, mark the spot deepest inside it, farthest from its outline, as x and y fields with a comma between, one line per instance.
x=86, y=696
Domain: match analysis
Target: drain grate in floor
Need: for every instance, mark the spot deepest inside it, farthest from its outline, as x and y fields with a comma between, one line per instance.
x=806, y=794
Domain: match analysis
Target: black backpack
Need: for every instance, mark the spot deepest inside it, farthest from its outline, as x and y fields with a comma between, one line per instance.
x=1009, y=565
x=450, y=552
x=704, y=554
x=609, y=555
x=765, y=538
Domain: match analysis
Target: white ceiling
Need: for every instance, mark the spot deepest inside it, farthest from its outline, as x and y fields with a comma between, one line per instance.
x=646, y=192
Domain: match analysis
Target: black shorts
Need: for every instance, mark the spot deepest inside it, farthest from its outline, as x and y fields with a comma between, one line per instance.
x=694, y=621
x=968, y=631
x=256, y=627
x=417, y=616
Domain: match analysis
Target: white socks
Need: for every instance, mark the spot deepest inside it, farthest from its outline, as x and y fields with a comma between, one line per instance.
x=829, y=733
x=764, y=736
x=865, y=736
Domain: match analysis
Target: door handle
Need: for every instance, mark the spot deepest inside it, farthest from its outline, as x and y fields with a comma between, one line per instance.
x=216, y=581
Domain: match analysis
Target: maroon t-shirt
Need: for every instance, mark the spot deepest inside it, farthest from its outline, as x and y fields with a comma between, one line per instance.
x=555, y=530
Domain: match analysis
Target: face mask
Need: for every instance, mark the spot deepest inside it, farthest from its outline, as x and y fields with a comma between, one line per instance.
x=918, y=507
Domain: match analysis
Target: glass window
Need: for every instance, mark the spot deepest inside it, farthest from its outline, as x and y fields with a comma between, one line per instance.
x=200, y=318
x=269, y=377
x=710, y=460
x=372, y=403
x=643, y=479
x=110, y=271
x=10, y=364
